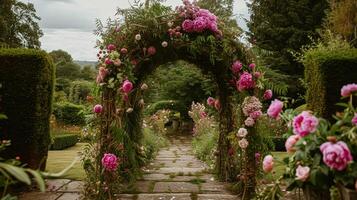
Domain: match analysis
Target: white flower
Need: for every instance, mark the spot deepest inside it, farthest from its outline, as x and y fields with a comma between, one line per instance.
x=243, y=143
x=170, y=24
x=164, y=44
x=144, y=86
x=129, y=110
x=242, y=132
x=137, y=37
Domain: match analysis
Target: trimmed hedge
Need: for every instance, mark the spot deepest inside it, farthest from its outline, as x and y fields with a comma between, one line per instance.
x=69, y=113
x=64, y=141
x=165, y=104
x=326, y=71
x=27, y=79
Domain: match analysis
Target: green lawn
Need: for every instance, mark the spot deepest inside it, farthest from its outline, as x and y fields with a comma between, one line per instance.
x=58, y=160
x=279, y=166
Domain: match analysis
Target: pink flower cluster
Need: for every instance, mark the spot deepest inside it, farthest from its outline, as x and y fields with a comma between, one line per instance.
x=214, y=103
x=197, y=19
x=245, y=82
x=252, y=107
x=348, y=89
x=110, y=162
x=268, y=163
x=275, y=109
x=336, y=155
x=305, y=123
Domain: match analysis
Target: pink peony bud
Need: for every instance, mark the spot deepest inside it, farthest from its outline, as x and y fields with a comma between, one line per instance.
x=268, y=163
x=123, y=50
x=151, y=51
x=252, y=66
x=111, y=47
x=108, y=61
x=211, y=101
x=290, y=142
x=217, y=104
x=236, y=67
x=348, y=89
x=268, y=94
x=127, y=86
x=302, y=173
x=98, y=108
x=249, y=122
x=275, y=109
x=257, y=74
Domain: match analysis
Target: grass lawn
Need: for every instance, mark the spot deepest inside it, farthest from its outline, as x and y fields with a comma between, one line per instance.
x=279, y=166
x=58, y=160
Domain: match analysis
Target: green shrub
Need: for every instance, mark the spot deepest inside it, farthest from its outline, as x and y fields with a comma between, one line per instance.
x=166, y=104
x=279, y=143
x=27, y=79
x=79, y=91
x=63, y=141
x=327, y=68
x=204, y=147
x=69, y=113
x=151, y=143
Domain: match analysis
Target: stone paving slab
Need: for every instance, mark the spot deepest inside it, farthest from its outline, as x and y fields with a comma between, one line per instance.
x=125, y=197
x=55, y=184
x=214, y=187
x=156, y=177
x=216, y=197
x=70, y=196
x=170, y=196
x=184, y=170
x=39, y=196
x=74, y=186
x=176, y=187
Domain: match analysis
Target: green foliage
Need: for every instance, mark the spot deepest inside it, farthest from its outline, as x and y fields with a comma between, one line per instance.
x=329, y=66
x=79, y=91
x=69, y=113
x=27, y=79
x=60, y=56
x=205, y=146
x=64, y=141
x=19, y=25
x=165, y=104
x=68, y=70
x=151, y=143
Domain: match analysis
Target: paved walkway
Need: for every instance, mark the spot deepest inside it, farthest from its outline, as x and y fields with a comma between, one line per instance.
x=175, y=174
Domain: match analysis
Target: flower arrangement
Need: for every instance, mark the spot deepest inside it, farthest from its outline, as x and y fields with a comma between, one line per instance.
x=322, y=156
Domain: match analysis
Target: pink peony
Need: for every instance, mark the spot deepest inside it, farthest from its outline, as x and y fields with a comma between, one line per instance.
x=245, y=82
x=252, y=107
x=268, y=94
x=217, y=104
x=111, y=47
x=151, y=51
x=236, y=67
x=243, y=143
x=252, y=66
x=302, y=173
x=98, y=108
x=256, y=114
x=336, y=155
x=354, y=120
x=123, y=50
x=108, y=61
x=103, y=72
x=187, y=25
x=110, y=162
x=242, y=132
x=210, y=101
x=257, y=156
x=305, y=123
x=257, y=74
x=275, y=109
x=290, y=142
x=268, y=163
x=199, y=24
x=348, y=89
x=127, y=86
x=249, y=122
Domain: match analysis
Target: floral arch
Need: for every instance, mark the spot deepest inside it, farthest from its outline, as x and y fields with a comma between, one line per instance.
x=149, y=36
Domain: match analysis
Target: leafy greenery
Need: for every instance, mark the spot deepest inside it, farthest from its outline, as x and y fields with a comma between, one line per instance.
x=64, y=141
x=69, y=113
x=19, y=25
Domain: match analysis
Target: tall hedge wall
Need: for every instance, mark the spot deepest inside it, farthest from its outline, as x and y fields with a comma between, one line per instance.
x=326, y=71
x=27, y=79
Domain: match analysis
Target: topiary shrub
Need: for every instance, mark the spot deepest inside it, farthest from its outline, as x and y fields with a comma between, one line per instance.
x=63, y=141
x=27, y=80
x=327, y=69
x=69, y=113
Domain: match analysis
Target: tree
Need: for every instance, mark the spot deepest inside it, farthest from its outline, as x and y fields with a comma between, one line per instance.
x=281, y=27
x=70, y=71
x=60, y=56
x=88, y=73
x=19, y=24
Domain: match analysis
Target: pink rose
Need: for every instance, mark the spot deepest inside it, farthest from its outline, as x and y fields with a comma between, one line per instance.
x=127, y=86
x=336, y=155
x=249, y=122
x=110, y=162
x=252, y=66
x=245, y=82
x=243, y=143
x=268, y=94
x=236, y=67
x=151, y=51
x=211, y=101
x=187, y=25
x=242, y=132
x=290, y=142
x=275, y=109
x=354, y=120
x=302, y=173
x=199, y=24
x=217, y=104
x=111, y=47
x=348, y=89
x=268, y=163
x=305, y=123
x=98, y=108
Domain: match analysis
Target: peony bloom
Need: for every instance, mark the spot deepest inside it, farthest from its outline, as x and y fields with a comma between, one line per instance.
x=123, y=50
x=249, y=122
x=211, y=101
x=98, y=108
x=103, y=72
x=187, y=25
x=217, y=104
x=275, y=109
x=242, y=132
x=250, y=105
x=137, y=37
x=108, y=61
x=268, y=94
x=151, y=51
x=354, y=120
x=348, y=89
x=243, y=143
x=111, y=47
x=268, y=163
x=252, y=66
x=236, y=67
x=117, y=62
x=336, y=155
x=290, y=142
x=127, y=86
x=199, y=24
x=305, y=123
x=164, y=44
x=110, y=162
x=245, y=82
x=144, y=86
x=256, y=114
x=302, y=173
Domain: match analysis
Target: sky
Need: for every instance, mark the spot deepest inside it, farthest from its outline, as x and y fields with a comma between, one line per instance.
x=69, y=24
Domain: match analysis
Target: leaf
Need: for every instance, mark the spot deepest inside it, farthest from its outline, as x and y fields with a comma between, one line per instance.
x=38, y=178
x=17, y=172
